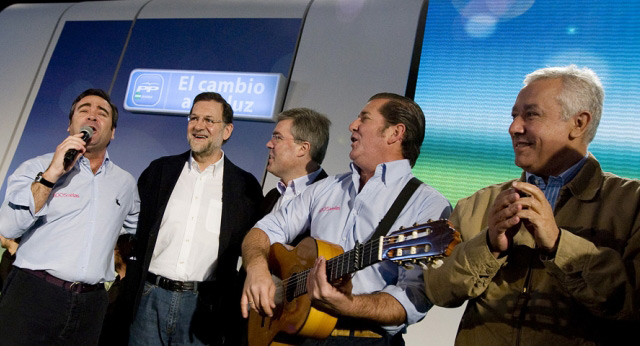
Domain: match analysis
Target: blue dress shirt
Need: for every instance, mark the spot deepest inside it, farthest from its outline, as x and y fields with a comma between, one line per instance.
x=294, y=188
x=73, y=235
x=553, y=185
x=336, y=212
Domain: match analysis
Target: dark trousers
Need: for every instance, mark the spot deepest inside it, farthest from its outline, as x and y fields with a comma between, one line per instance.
x=35, y=312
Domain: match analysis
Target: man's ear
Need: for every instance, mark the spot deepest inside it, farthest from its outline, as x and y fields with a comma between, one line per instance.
x=303, y=148
x=396, y=133
x=579, y=123
x=228, y=130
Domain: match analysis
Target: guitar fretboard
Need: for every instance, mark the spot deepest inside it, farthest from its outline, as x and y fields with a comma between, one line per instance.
x=362, y=256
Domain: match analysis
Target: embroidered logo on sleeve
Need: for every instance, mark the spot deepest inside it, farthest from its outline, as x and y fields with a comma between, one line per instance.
x=325, y=209
x=65, y=195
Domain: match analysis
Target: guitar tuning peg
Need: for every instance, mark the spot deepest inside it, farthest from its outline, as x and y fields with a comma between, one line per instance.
x=408, y=266
x=437, y=263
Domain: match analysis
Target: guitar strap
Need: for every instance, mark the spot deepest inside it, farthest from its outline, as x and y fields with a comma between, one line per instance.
x=387, y=221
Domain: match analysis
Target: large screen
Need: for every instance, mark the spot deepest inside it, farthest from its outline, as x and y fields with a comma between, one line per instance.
x=475, y=55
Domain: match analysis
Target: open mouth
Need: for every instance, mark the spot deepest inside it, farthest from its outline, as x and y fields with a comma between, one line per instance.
x=199, y=136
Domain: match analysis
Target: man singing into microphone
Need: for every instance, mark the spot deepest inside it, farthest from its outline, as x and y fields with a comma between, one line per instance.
x=69, y=217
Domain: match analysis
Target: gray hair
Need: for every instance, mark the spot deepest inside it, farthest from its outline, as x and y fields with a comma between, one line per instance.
x=309, y=126
x=581, y=91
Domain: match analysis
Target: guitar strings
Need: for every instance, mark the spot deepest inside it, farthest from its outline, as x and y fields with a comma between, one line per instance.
x=337, y=267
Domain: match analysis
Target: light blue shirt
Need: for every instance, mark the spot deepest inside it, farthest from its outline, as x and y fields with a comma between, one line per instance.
x=553, y=185
x=336, y=212
x=73, y=235
x=294, y=188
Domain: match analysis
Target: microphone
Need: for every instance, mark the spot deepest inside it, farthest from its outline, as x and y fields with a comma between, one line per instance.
x=87, y=132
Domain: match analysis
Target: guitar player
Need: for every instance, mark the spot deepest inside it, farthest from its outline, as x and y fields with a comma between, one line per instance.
x=379, y=301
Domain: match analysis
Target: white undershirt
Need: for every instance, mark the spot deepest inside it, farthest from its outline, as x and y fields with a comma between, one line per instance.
x=188, y=240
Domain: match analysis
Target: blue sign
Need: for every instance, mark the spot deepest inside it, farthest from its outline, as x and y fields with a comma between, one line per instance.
x=255, y=96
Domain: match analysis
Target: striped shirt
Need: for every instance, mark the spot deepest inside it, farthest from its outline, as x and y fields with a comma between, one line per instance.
x=552, y=187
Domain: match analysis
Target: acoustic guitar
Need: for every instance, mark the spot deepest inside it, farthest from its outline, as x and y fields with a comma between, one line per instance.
x=295, y=318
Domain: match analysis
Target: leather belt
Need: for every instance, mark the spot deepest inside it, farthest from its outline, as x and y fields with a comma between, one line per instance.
x=75, y=286
x=355, y=333
x=173, y=285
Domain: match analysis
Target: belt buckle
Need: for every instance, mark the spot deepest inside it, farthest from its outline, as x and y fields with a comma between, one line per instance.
x=75, y=286
x=176, y=286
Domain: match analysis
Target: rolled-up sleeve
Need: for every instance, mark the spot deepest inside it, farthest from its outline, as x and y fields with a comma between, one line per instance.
x=17, y=213
x=409, y=292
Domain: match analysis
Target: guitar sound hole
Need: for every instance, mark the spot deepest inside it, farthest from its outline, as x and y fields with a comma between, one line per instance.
x=289, y=295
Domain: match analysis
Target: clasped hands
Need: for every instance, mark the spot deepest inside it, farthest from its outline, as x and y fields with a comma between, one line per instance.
x=526, y=204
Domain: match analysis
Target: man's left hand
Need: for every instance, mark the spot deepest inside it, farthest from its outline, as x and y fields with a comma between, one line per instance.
x=537, y=216
x=323, y=294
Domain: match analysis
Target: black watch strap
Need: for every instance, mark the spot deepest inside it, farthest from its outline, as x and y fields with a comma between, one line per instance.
x=40, y=179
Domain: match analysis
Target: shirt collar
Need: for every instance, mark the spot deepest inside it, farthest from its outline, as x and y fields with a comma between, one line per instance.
x=387, y=172
x=563, y=177
x=304, y=180
x=106, y=163
x=214, y=167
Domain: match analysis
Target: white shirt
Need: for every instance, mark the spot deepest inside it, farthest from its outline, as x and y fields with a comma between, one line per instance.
x=188, y=240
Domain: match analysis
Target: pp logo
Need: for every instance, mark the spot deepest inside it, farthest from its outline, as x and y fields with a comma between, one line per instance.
x=147, y=89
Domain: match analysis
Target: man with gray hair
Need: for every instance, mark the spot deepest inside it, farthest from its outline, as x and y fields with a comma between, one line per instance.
x=296, y=150
x=551, y=258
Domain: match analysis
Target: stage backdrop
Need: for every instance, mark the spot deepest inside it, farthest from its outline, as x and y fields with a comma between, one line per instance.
x=475, y=55
x=87, y=56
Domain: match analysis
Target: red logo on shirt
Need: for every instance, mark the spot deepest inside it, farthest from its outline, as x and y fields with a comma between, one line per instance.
x=328, y=209
x=65, y=195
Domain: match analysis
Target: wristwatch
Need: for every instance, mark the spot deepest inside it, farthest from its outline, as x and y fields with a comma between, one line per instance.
x=40, y=179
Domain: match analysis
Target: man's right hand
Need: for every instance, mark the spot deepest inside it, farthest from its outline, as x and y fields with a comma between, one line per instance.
x=56, y=168
x=258, y=292
x=503, y=221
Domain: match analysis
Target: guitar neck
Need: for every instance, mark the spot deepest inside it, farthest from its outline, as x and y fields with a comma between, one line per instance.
x=362, y=256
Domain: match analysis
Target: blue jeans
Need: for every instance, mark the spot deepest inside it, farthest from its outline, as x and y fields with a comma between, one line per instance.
x=165, y=318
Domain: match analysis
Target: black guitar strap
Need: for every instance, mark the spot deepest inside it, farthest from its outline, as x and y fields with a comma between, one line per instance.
x=387, y=221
